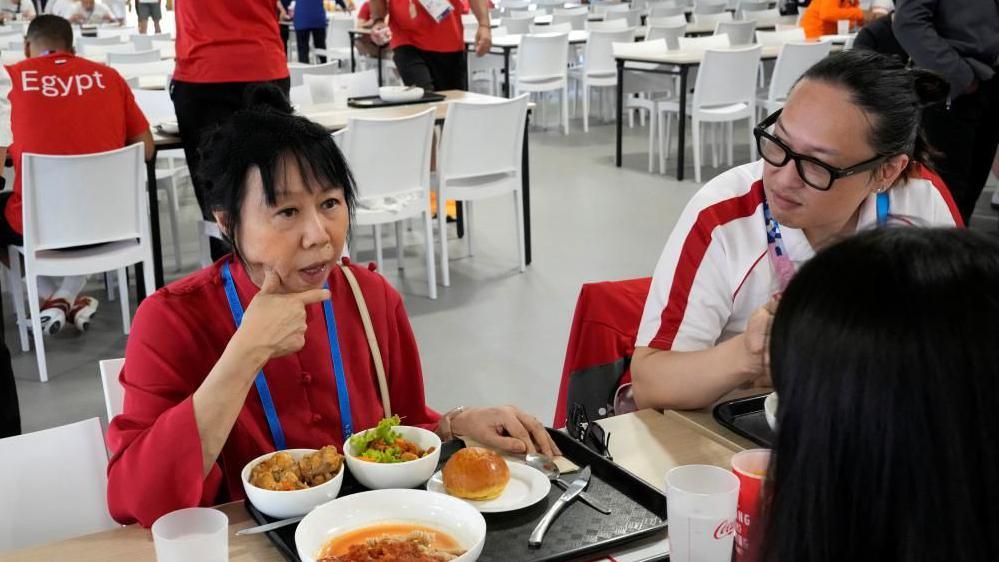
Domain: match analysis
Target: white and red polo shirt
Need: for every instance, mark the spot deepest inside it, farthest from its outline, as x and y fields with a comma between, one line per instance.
x=714, y=271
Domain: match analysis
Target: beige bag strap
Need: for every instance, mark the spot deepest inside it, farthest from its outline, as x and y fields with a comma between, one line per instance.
x=369, y=331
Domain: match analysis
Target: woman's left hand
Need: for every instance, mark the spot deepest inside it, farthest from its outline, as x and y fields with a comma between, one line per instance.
x=505, y=428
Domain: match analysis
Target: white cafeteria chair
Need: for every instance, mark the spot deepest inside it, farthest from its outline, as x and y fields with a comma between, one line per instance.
x=575, y=21
x=171, y=169
x=138, y=69
x=575, y=11
x=792, y=61
x=599, y=68
x=518, y=26
x=297, y=71
x=739, y=32
x=542, y=66
x=114, y=394
x=665, y=9
x=54, y=485
x=703, y=43
x=768, y=38
x=709, y=7
x=145, y=42
x=652, y=88
x=724, y=92
x=338, y=42
x=762, y=17
x=138, y=57
x=96, y=219
x=167, y=48
x=608, y=25
x=390, y=194
x=487, y=67
x=749, y=5
x=671, y=33
x=88, y=41
x=632, y=17
x=323, y=88
x=100, y=52
x=711, y=19
x=479, y=157
x=299, y=95
x=604, y=8
x=552, y=28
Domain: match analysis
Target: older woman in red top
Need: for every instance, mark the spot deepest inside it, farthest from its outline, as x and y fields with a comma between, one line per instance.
x=209, y=386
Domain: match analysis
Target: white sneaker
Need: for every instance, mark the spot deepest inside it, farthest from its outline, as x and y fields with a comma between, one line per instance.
x=83, y=309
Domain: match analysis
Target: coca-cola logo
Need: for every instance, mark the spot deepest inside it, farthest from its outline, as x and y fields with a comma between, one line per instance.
x=724, y=529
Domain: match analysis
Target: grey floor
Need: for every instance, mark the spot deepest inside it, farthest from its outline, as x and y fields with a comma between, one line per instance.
x=495, y=336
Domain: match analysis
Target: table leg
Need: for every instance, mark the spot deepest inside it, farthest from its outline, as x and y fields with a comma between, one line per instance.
x=380, y=49
x=506, y=72
x=353, y=61
x=459, y=217
x=525, y=191
x=154, y=231
x=620, y=110
x=682, y=125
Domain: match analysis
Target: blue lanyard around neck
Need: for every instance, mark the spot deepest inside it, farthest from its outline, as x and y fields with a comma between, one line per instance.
x=346, y=427
x=779, y=257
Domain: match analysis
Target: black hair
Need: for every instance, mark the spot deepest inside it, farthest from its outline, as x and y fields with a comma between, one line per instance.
x=261, y=136
x=885, y=354
x=53, y=31
x=891, y=94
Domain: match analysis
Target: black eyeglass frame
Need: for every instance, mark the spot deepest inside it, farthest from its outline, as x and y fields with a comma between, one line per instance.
x=590, y=434
x=759, y=131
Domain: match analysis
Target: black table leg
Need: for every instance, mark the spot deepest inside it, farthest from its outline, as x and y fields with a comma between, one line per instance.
x=459, y=217
x=154, y=231
x=353, y=61
x=682, y=126
x=506, y=72
x=525, y=191
x=620, y=110
x=380, y=48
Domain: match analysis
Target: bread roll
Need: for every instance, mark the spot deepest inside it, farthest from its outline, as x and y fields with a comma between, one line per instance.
x=475, y=473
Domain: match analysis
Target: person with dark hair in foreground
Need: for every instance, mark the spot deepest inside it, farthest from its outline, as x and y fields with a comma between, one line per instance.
x=842, y=156
x=883, y=355
x=283, y=196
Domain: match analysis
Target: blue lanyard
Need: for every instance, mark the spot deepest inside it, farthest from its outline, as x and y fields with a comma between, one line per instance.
x=346, y=427
x=779, y=257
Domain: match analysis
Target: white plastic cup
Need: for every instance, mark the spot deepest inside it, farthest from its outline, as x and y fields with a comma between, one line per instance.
x=701, y=502
x=196, y=533
x=843, y=27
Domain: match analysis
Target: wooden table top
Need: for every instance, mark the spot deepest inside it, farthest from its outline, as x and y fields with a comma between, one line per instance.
x=647, y=443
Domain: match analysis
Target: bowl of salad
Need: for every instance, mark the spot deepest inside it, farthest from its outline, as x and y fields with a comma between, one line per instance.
x=391, y=455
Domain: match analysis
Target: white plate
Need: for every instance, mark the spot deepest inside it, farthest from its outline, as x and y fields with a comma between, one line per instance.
x=527, y=487
x=399, y=93
x=168, y=127
x=348, y=513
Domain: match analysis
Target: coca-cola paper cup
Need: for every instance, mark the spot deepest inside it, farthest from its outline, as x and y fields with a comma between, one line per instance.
x=701, y=509
x=750, y=467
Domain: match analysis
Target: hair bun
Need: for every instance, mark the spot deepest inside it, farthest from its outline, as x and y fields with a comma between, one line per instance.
x=930, y=87
x=267, y=96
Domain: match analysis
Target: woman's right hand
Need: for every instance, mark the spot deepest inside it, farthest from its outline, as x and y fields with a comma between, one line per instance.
x=274, y=323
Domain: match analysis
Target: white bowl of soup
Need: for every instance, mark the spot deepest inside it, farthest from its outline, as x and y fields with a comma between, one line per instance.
x=395, y=472
x=393, y=516
x=276, y=493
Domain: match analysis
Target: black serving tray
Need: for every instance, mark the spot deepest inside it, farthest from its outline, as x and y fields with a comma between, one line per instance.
x=638, y=511
x=745, y=416
x=368, y=102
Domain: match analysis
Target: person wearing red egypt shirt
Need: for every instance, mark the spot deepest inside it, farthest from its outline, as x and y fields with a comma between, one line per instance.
x=223, y=48
x=63, y=104
x=427, y=39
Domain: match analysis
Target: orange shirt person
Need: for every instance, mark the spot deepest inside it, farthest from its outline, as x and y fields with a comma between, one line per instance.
x=821, y=16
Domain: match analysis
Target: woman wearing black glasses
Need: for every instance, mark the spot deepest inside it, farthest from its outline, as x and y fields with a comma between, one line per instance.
x=844, y=154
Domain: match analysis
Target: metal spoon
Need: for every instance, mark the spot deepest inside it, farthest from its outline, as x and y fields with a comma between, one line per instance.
x=546, y=465
x=269, y=526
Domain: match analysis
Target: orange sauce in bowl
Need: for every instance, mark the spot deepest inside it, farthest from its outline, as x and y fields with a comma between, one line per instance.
x=339, y=545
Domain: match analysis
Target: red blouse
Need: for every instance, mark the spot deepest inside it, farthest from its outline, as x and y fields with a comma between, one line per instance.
x=179, y=334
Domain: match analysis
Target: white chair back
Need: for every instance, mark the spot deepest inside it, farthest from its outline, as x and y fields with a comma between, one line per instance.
x=405, y=140
x=114, y=394
x=339, y=139
x=518, y=26
x=711, y=19
x=599, y=57
x=523, y=14
x=552, y=28
x=575, y=21
x=101, y=51
x=87, y=41
x=336, y=32
x=666, y=9
x=702, y=43
x=150, y=55
x=666, y=21
x=86, y=199
x=570, y=11
x=145, y=42
x=299, y=95
x=610, y=8
x=727, y=77
x=767, y=38
x=609, y=25
x=641, y=48
x=750, y=5
x=633, y=17
x=481, y=139
x=469, y=19
x=54, y=485
x=704, y=7
x=671, y=33
x=543, y=57
x=739, y=32
x=298, y=71
x=794, y=59
x=134, y=70
x=323, y=88
x=513, y=5
x=156, y=105
x=16, y=43
x=762, y=17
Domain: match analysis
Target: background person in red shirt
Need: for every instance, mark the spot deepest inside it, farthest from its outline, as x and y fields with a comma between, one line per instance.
x=63, y=104
x=430, y=53
x=223, y=47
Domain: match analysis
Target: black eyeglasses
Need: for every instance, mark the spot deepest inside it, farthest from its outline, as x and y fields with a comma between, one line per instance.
x=586, y=432
x=814, y=172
